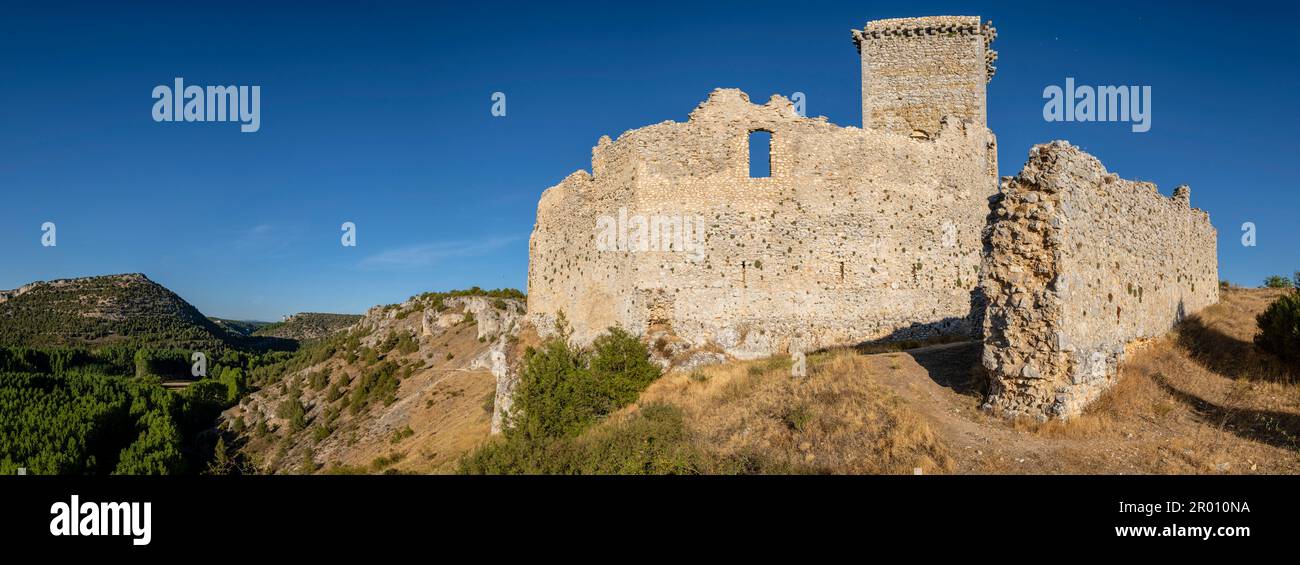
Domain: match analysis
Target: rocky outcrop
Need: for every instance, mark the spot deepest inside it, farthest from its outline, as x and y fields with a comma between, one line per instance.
x=452, y=358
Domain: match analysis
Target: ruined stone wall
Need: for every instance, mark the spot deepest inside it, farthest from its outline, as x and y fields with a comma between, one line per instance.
x=857, y=234
x=915, y=71
x=1080, y=265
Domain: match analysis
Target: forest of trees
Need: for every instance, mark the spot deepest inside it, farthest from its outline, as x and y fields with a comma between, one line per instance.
x=105, y=410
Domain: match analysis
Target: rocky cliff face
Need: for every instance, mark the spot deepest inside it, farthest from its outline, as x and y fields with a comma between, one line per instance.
x=408, y=388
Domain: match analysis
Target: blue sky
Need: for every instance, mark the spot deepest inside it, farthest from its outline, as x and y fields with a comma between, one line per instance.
x=380, y=115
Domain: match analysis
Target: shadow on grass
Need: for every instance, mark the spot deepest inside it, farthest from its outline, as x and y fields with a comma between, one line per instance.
x=1279, y=429
x=1230, y=356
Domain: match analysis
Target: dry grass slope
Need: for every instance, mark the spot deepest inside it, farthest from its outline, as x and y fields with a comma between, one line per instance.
x=440, y=409
x=1199, y=400
x=837, y=420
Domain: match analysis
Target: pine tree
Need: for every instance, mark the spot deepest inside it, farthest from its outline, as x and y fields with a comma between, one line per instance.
x=221, y=461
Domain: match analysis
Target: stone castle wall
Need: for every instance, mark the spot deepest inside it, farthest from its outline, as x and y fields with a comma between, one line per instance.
x=1081, y=264
x=875, y=233
x=857, y=234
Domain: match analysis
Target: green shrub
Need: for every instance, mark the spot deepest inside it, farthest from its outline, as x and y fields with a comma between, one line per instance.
x=554, y=396
x=291, y=409
x=563, y=391
x=236, y=383
x=621, y=366
x=319, y=433
x=407, y=345
x=383, y=462
x=401, y=434
x=387, y=344
x=335, y=392
x=1277, y=281
x=652, y=442
x=368, y=356
x=318, y=379
x=379, y=383
x=1279, y=328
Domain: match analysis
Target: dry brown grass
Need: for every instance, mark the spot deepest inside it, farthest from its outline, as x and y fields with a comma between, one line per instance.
x=442, y=402
x=836, y=420
x=1199, y=400
x=1202, y=399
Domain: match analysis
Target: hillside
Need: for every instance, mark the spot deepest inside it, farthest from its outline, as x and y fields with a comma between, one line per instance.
x=408, y=389
x=242, y=328
x=307, y=326
x=124, y=309
x=1201, y=399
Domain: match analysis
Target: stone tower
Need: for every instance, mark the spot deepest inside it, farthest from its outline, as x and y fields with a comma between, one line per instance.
x=916, y=71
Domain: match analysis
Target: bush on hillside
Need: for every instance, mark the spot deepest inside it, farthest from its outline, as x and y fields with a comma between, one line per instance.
x=291, y=409
x=1277, y=281
x=563, y=389
x=651, y=442
x=1279, y=328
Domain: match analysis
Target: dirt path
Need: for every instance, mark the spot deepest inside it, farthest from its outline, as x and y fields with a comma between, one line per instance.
x=931, y=380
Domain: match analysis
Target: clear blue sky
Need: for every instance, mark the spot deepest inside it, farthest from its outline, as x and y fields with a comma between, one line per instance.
x=381, y=116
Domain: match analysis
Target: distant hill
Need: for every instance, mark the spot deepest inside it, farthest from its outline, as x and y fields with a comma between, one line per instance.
x=113, y=309
x=239, y=327
x=308, y=326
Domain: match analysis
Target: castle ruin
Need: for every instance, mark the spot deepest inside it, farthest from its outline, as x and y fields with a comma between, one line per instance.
x=1081, y=266
x=853, y=235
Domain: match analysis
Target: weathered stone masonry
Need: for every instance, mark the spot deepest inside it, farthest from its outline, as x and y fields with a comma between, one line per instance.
x=916, y=71
x=1080, y=265
x=882, y=232
x=858, y=234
